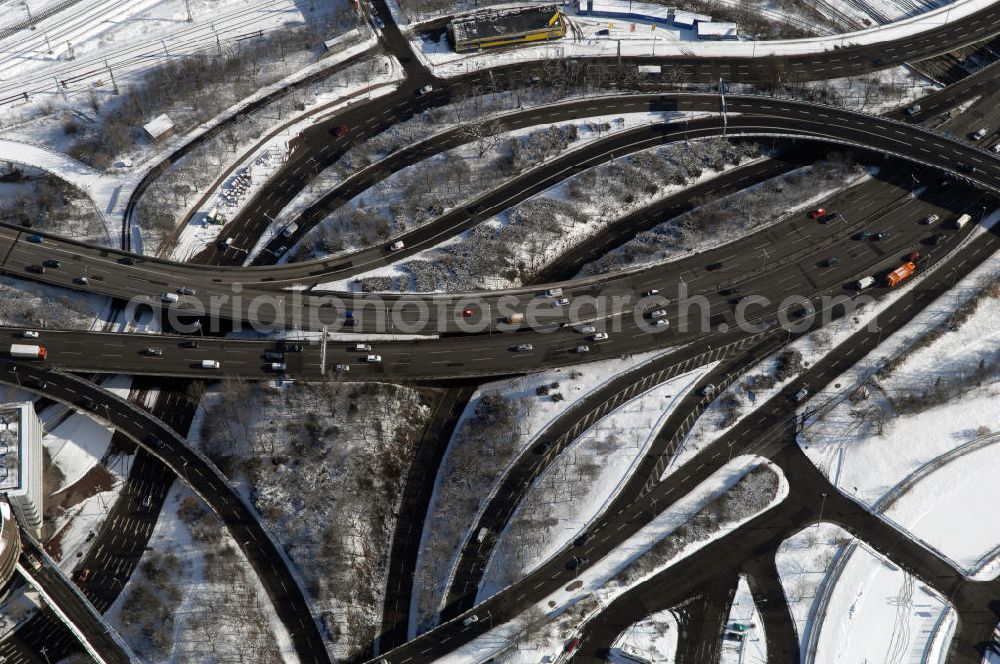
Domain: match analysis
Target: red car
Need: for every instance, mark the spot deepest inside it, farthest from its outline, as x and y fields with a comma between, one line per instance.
x=571, y=646
x=340, y=131
x=914, y=256
x=467, y=313
x=85, y=574
x=817, y=213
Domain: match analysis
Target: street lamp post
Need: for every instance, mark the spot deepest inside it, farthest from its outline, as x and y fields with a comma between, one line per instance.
x=822, y=504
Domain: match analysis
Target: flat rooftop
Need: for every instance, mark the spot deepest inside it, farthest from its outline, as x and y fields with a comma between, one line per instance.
x=499, y=22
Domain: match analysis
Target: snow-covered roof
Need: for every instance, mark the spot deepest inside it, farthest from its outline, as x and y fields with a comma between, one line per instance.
x=340, y=39
x=159, y=125
x=625, y=8
x=688, y=19
x=499, y=22
x=718, y=30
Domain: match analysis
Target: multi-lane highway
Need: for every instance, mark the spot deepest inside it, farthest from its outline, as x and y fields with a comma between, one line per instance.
x=767, y=432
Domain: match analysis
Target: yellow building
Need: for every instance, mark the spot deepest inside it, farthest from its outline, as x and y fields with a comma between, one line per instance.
x=506, y=27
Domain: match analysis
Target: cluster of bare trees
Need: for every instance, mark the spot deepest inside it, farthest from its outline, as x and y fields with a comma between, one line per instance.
x=150, y=604
x=326, y=463
x=23, y=308
x=48, y=203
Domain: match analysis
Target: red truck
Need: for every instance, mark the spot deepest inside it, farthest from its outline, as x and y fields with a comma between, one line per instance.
x=900, y=273
x=27, y=352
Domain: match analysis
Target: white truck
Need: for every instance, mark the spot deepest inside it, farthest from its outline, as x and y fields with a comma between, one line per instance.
x=28, y=352
x=289, y=230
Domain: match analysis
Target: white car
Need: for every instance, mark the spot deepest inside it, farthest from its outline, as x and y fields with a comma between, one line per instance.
x=662, y=322
x=801, y=394
x=210, y=364
x=651, y=292
x=169, y=297
x=278, y=366
x=562, y=302
x=979, y=134
x=363, y=348
x=424, y=90
x=524, y=348
x=554, y=292
x=583, y=349
x=996, y=148
x=29, y=334
x=913, y=110
x=343, y=367
x=931, y=219
x=373, y=359
x=588, y=329
x=708, y=389
x=659, y=313
x=600, y=336
x=397, y=245
x=471, y=620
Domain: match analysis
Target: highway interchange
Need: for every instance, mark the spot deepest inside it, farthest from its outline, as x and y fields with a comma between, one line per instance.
x=796, y=247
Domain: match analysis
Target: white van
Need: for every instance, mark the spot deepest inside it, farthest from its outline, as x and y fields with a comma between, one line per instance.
x=397, y=245
x=289, y=230
x=865, y=282
x=210, y=364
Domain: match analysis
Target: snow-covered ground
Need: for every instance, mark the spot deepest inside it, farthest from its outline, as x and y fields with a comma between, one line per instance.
x=515, y=245
x=750, y=647
x=542, y=631
x=437, y=181
x=900, y=445
x=324, y=464
x=453, y=510
x=76, y=446
x=876, y=612
x=25, y=303
x=194, y=595
x=808, y=563
x=654, y=637
x=582, y=482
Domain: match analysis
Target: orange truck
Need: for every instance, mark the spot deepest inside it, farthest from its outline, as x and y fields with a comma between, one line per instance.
x=900, y=273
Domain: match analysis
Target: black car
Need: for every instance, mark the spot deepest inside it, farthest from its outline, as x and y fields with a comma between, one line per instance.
x=152, y=352
x=965, y=168
x=36, y=382
x=828, y=217
x=730, y=291
x=881, y=235
x=190, y=343
x=831, y=261
x=272, y=356
x=474, y=209
x=938, y=238
x=714, y=266
x=126, y=260
x=35, y=269
x=583, y=539
x=51, y=262
x=863, y=235
x=542, y=448
x=577, y=562
x=288, y=347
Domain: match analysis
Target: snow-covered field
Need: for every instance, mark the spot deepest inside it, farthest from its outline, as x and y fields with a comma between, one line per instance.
x=877, y=612
x=582, y=482
x=850, y=604
x=900, y=445
x=25, y=303
x=542, y=631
